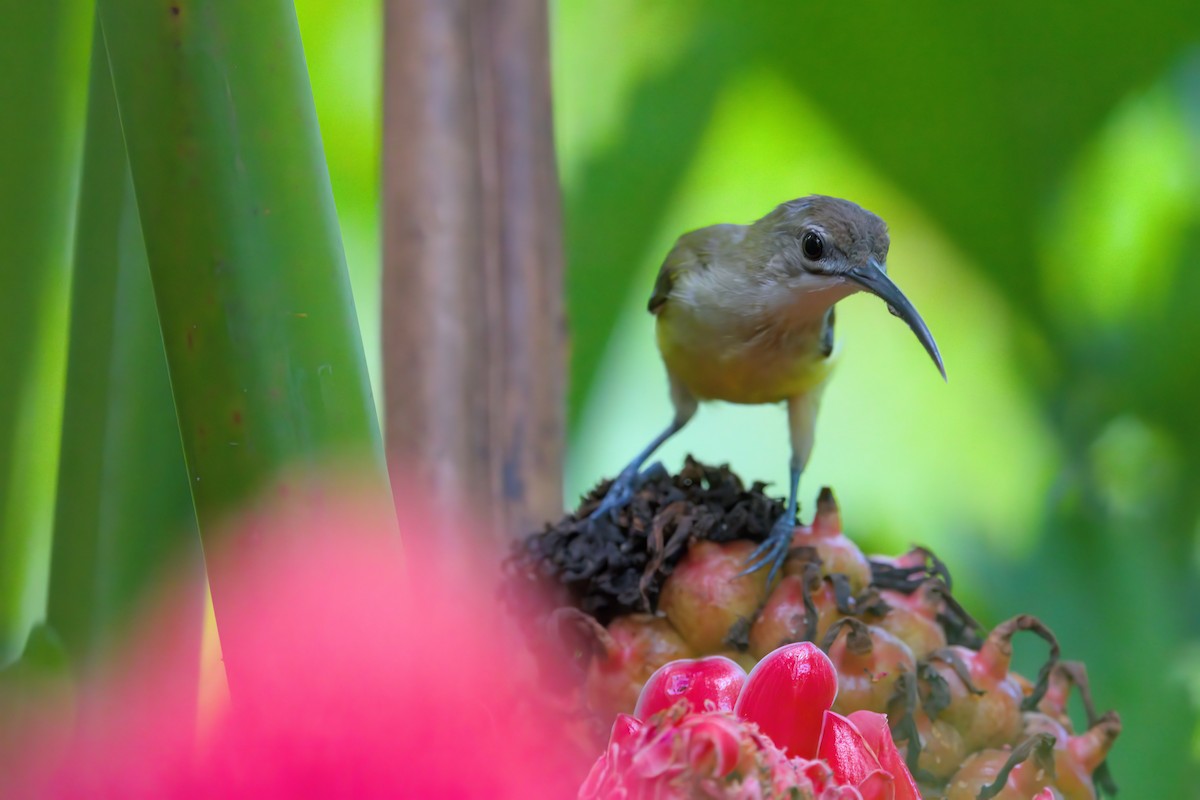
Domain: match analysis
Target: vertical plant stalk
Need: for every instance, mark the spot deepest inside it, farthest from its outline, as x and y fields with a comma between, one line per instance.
x=435, y=316
x=513, y=47
x=473, y=326
x=44, y=64
x=123, y=509
x=245, y=254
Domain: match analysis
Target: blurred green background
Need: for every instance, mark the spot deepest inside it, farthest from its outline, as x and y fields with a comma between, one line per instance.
x=1039, y=167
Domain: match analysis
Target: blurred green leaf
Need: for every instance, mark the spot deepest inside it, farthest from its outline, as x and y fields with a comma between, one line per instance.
x=622, y=193
x=245, y=254
x=342, y=43
x=1114, y=606
x=124, y=512
x=975, y=110
x=984, y=132
x=745, y=156
x=1117, y=234
x=37, y=684
x=44, y=61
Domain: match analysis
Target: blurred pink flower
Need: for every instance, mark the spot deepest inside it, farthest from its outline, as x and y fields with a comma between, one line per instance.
x=355, y=670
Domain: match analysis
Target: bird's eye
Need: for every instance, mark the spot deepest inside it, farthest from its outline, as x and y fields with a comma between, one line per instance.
x=813, y=245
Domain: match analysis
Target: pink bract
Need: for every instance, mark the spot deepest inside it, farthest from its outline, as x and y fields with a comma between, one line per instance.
x=786, y=695
x=704, y=684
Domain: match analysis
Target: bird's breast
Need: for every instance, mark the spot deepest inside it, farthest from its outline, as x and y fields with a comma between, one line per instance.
x=743, y=354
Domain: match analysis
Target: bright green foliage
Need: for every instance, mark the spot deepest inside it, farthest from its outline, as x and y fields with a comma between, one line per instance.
x=242, y=237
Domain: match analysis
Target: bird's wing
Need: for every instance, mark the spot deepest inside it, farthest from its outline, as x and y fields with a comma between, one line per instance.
x=692, y=251
x=827, y=333
x=662, y=286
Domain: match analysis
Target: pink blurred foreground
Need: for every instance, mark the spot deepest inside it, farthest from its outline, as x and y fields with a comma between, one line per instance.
x=346, y=680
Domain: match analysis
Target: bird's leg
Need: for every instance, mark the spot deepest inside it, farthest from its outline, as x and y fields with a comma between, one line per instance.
x=802, y=421
x=621, y=491
x=774, y=548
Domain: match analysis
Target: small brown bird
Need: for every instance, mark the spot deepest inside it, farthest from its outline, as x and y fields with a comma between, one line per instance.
x=745, y=314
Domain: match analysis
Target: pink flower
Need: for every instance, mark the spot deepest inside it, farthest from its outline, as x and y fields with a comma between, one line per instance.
x=356, y=669
x=679, y=754
x=694, y=748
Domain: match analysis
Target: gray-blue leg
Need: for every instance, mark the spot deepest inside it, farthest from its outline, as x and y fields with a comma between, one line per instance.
x=622, y=488
x=774, y=548
x=802, y=423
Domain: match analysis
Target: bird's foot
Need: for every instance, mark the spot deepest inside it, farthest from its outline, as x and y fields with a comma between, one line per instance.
x=773, y=550
x=622, y=489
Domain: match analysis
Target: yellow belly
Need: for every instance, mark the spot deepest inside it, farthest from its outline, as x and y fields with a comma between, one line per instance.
x=760, y=370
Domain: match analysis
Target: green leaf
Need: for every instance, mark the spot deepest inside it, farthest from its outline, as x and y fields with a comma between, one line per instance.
x=974, y=109
x=43, y=59
x=617, y=203
x=34, y=688
x=242, y=237
x=124, y=512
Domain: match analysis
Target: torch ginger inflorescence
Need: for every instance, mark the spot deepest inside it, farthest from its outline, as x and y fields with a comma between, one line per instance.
x=782, y=741
x=670, y=565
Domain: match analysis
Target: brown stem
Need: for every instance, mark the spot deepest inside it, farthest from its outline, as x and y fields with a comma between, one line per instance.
x=909, y=579
x=1040, y=746
x=842, y=593
x=1074, y=673
x=812, y=572
x=1092, y=745
x=905, y=695
x=828, y=519
x=958, y=665
x=1035, y=625
x=871, y=603
x=960, y=627
x=901, y=579
x=581, y=632
x=1103, y=780
x=660, y=553
x=858, y=641
x=996, y=654
x=937, y=568
x=473, y=332
x=936, y=697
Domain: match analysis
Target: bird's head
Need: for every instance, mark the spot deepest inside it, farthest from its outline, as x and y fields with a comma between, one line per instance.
x=826, y=242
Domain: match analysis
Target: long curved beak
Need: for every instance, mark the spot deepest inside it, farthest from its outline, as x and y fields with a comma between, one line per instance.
x=872, y=278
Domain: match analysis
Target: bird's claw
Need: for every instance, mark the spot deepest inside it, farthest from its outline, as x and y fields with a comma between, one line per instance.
x=773, y=550
x=624, y=486
x=619, y=495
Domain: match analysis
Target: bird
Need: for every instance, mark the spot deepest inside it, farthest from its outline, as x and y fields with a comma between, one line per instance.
x=745, y=314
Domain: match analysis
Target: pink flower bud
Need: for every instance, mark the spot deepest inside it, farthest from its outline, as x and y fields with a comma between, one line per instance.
x=874, y=728
x=846, y=751
x=705, y=684
x=787, y=693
